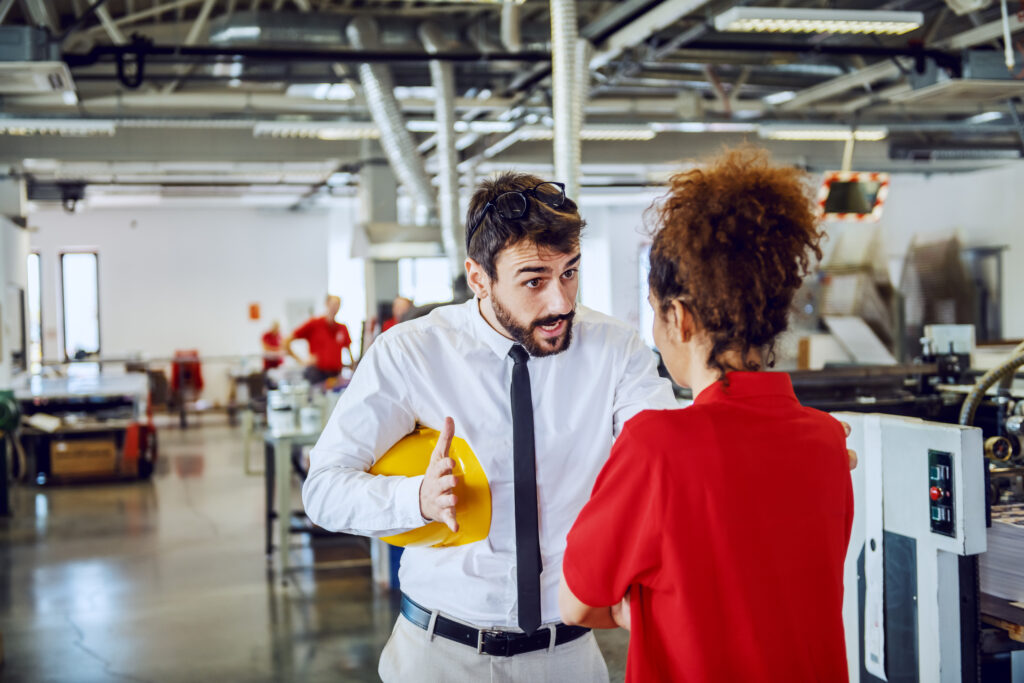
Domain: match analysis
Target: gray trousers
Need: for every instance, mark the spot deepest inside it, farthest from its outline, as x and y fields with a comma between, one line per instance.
x=413, y=655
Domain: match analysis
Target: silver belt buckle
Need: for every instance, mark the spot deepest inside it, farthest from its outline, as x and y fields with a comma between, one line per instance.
x=485, y=632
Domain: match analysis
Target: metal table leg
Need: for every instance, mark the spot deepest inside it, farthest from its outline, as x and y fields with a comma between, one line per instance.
x=283, y=479
x=268, y=488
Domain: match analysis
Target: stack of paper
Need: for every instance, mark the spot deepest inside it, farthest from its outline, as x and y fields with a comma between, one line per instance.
x=1002, y=565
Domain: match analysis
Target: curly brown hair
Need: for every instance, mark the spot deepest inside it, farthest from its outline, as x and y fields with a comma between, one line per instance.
x=733, y=240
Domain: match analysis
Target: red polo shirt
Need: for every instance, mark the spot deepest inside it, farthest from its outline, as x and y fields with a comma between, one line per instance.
x=728, y=523
x=326, y=340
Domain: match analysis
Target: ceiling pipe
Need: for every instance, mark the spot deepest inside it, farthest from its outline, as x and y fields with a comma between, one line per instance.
x=442, y=76
x=511, y=33
x=396, y=140
x=567, y=151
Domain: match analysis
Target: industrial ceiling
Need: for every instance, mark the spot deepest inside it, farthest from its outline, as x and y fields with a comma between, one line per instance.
x=280, y=93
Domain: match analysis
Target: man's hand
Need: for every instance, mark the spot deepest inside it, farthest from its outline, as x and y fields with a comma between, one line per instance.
x=850, y=453
x=437, y=497
x=620, y=612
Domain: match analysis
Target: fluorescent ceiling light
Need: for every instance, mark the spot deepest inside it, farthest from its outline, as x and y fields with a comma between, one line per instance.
x=703, y=127
x=323, y=130
x=799, y=20
x=62, y=127
x=594, y=133
x=778, y=97
x=237, y=33
x=415, y=92
x=985, y=117
x=322, y=91
x=823, y=133
x=484, y=127
x=69, y=98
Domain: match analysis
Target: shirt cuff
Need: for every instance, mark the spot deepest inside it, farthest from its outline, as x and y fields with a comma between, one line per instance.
x=407, y=500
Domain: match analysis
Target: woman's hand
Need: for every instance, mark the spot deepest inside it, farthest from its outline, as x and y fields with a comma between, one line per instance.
x=620, y=612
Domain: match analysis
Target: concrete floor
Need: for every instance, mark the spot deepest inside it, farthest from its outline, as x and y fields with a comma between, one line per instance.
x=167, y=580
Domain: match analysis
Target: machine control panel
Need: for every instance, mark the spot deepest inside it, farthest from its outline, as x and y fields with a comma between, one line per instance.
x=940, y=492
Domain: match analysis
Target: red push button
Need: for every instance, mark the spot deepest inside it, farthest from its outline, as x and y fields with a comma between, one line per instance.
x=935, y=493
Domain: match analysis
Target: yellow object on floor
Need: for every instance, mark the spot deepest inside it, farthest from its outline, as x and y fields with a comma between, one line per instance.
x=410, y=457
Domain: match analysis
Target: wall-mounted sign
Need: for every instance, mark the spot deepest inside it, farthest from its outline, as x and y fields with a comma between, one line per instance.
x=851, y=196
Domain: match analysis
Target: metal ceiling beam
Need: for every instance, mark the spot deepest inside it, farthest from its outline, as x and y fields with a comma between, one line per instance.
x=981, y=34
x=5, y=7
x=350, y=55
x=141, y=15
x=108, y=24
x=888, y=69
x=885, y=69
x=42, y=14
x=663, y=15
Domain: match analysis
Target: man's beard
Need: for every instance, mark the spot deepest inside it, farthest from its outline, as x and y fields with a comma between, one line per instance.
x=524, y=334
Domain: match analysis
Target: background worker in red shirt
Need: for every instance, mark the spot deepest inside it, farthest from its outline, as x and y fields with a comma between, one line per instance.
x=717, y=533
x=272, y=347
x=327, y=339
x=399, y=307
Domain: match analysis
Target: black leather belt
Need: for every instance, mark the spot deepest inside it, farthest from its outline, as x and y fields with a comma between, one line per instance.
x=496, y=643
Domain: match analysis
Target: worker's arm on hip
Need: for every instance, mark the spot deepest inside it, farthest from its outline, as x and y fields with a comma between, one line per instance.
x=372, y=415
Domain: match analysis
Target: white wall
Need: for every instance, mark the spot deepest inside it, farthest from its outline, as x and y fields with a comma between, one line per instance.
x=611, y=246
x=175, y=278
x=983, y=208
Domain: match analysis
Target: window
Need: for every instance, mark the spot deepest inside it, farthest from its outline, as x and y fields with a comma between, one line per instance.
x=80, y=292
x=35, y=314
x=425, y=280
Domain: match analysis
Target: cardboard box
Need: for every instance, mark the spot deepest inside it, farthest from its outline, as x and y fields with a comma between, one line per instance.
x=83, y=457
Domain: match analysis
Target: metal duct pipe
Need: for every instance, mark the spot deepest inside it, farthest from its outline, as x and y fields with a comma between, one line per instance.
x=442, y=76
x=395, y=138
x=564, y=34
x=511, y=35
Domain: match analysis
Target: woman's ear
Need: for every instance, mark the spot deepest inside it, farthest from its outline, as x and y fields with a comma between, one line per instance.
x=681, y=321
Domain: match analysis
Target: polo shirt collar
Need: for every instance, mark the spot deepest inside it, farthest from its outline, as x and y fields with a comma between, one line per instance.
x=494, y=340
x=749, y=384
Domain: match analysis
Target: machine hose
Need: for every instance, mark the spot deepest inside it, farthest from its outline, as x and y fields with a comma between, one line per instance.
x=1004, y=371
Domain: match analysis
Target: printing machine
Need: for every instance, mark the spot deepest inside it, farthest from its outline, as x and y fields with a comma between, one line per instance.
x=924, y=489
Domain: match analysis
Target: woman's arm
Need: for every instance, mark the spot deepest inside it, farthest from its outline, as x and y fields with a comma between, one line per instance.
x=577, y=613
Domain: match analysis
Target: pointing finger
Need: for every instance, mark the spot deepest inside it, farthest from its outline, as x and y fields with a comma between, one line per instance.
x=444, y=441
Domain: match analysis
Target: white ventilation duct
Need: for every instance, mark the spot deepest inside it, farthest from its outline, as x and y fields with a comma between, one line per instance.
x=564, y=35
x=442, y=76
x=395, y=138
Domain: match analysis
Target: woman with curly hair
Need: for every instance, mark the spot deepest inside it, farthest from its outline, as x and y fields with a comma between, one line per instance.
x=717, y=533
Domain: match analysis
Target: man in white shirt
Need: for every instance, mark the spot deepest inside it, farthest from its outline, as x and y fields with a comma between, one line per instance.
x=538, y=387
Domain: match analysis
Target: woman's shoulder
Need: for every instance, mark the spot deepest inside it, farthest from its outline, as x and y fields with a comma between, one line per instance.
x=656, y=425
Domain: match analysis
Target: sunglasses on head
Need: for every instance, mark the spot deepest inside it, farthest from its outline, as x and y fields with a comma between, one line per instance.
x=513, y=205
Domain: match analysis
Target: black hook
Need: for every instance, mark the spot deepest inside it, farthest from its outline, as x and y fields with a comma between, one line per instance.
x=140, y=47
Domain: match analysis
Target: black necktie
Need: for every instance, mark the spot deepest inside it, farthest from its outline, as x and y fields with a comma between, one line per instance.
x=528, y=561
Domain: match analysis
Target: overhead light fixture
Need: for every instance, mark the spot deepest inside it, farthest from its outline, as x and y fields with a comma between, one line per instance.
x=778, y=97
x=800, y=20
x=703, y=127
x=823, y=133
x=78, y=128
x=985, y=117
x=594, y=133
x=323, y=130
x=321, y=91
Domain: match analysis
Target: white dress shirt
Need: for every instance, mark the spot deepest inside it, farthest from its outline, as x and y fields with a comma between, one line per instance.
x=453, y=363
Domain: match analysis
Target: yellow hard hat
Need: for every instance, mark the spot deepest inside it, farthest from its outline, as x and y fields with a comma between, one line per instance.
x=410, y=457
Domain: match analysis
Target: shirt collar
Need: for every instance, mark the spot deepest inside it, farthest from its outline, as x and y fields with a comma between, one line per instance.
x=495, y=341
x=748, y=384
